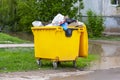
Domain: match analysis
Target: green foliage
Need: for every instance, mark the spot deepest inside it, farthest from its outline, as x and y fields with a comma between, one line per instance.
x=43, y=10
x=94, y=24
x=112, y=1
x=5, y=38
x=17, y=15
x=7, y=13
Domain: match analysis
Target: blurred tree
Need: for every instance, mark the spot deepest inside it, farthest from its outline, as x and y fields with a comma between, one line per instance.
x=17, y=15
x=7, y=14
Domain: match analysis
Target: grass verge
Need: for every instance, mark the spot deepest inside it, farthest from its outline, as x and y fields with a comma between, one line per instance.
x=109, y=38
x=7, y=39
x=22, y=59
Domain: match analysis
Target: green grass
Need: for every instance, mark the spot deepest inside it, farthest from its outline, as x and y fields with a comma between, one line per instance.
x=17, y=59
x=7, y=39
x=109, y=38
x=82, y=63
x=85, y=62
x=22, y=59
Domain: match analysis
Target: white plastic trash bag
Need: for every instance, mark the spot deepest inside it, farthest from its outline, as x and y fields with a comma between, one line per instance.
x=58, y=19
x=37, y=23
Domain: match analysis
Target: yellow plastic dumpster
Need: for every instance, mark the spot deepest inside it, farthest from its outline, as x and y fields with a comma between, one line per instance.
x=52, y=43
x=83, y=46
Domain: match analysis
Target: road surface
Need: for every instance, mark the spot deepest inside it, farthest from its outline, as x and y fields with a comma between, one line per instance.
x=16, y=45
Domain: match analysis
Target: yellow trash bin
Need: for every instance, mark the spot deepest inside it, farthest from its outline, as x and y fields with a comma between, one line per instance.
x=83, y=46
x=52, y=43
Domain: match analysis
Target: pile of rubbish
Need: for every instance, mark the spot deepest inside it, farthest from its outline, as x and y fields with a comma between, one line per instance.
x=60, y=20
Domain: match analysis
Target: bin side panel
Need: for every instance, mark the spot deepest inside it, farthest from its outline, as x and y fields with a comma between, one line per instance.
x=44, y=44
x=83, y=52
x=68, y=47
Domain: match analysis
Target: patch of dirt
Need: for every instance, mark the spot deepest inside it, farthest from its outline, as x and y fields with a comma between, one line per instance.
x=41, y=74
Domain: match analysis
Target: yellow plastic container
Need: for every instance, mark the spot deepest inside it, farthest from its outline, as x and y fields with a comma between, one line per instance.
x=83, y=49
x=52, y=43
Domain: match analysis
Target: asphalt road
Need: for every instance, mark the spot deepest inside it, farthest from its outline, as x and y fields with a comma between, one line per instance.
x=63, y=74
x=107, y=74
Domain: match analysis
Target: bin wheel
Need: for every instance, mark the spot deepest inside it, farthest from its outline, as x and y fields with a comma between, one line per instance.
x=55, y=64
x=58, y=63
x=74, y=64
x=39, y=62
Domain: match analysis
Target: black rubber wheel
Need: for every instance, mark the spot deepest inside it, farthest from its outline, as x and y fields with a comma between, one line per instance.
x=74, y=64
x=39, y=62
x=58, y=63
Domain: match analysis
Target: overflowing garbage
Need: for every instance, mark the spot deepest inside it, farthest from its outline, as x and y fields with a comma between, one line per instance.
x=60, y=20
x=37, y=23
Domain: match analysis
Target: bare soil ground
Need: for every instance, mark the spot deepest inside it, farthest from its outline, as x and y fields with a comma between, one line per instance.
x=41, y=74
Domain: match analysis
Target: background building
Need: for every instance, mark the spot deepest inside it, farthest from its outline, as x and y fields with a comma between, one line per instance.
x=109, y=9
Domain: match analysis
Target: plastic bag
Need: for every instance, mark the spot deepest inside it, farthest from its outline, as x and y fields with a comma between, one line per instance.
x=37, y=23
x=58, y=19
x=65, y=26
x=68, y=20
x=76, y=24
